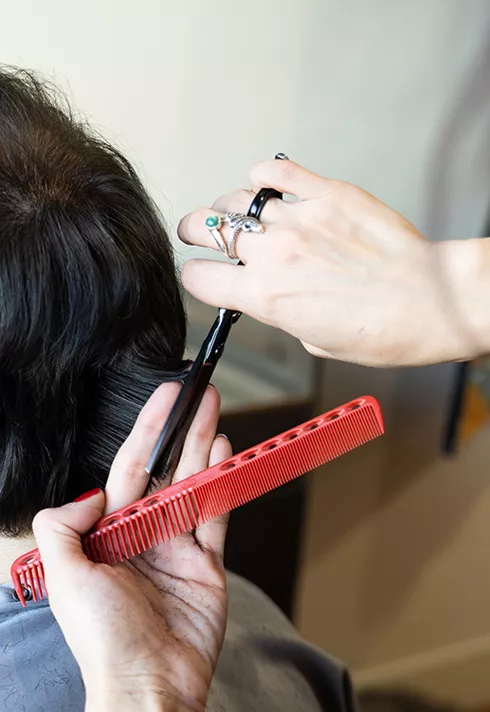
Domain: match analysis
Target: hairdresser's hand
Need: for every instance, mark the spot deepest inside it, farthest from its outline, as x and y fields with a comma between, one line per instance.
x=146, y=634
x=347, y=275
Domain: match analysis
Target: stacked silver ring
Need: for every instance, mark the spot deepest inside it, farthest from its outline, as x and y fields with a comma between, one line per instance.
x=238, y=223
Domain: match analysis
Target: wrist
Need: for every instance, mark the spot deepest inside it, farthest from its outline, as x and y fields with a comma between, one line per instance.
x=106, y=700
x=462, y=280
x=138, y=695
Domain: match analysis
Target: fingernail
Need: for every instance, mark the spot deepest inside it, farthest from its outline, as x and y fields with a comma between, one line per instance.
x=222, y=435
x=87, y=495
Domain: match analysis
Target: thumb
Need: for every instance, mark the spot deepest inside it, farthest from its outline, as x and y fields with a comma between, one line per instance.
x=58, y=533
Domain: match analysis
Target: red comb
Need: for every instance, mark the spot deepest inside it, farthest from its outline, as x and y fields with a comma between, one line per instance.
x=185, y=505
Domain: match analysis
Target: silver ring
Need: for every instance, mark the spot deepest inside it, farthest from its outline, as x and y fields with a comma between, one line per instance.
x=238, y=223
x=214, y=223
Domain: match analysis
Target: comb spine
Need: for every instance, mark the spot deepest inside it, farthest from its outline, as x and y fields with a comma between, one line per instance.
x=222, y=491
x=220, y=488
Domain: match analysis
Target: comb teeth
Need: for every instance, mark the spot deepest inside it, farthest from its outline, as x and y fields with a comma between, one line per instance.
x=29, y=582
x=185, y=505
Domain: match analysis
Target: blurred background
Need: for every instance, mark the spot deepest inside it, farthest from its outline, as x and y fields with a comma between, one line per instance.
x=380, y=558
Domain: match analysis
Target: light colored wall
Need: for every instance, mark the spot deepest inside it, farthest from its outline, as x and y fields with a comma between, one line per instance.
x=195, y=91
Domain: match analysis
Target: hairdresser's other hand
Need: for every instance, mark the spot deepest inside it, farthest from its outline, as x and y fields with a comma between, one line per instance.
x=146, y=633
x=348, y=276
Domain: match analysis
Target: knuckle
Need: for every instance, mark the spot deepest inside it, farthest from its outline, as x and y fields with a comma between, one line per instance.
x=335, y=188
x=190, y=223
x=155, y=411
x=197, y=446
x=292, y=246
x=241, y=200
x=41, y=520
x=212, y=402
x=261, y=298
x=192, y=272
x=201, y=440
x=341, y=190
x=287, y=169
x=187, y=273
x=280, y=170
x=338, y=199
x=236, y=202
x=257, y=171
x=198, y=217
x=128, y=464
x=221, y=203
x=270, y=304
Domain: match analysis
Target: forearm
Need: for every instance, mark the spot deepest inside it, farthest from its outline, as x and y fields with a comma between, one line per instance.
x=461, y=271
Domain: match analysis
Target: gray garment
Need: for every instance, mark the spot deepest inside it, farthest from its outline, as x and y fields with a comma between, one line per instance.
x=264, y=665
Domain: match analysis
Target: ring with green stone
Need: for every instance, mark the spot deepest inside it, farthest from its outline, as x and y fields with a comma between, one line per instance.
x=214, y=221
x=213, y=224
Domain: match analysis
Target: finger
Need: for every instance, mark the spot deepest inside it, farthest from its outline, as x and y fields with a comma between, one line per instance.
x=200, y=438
x=212, y=535
x=128, y=480
x=240, y=201
x=193, y=230
x=216, y=283
x=288, y=177
x=58, y=533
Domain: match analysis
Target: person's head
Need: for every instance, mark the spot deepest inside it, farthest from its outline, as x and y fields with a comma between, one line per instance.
x=91, y=316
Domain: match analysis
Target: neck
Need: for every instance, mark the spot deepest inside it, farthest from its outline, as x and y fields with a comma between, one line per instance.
x=10, y=549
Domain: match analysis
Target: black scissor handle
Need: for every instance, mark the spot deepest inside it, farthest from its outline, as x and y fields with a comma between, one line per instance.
x=172, y=437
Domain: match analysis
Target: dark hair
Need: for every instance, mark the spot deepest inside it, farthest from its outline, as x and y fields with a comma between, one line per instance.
x=91, y=316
